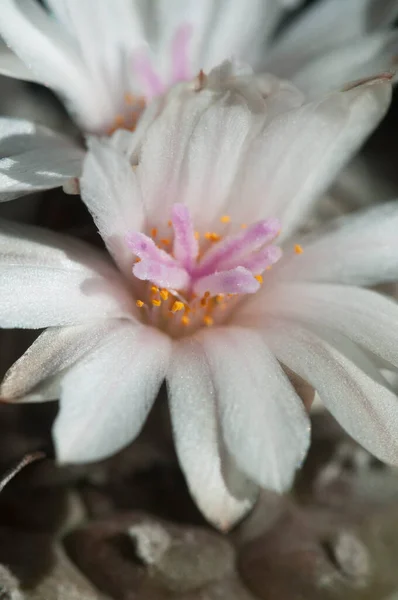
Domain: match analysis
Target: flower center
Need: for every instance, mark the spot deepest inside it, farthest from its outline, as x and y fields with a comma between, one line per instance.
x=194, y=280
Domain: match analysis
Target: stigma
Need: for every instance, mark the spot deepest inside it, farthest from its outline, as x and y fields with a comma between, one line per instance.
x=194, y=280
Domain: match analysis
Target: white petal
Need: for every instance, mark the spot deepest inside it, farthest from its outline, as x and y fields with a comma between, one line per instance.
x=220, y=29
x=106, y=39
x=192, y=151
x=107, y=395
x=212, y=157
x=360, y=59
x=219, y=141
x=55, y=58
x=38, y=40
x=239, y=29
x=117, y=22
x=47, y=279
x=224, y=498
x=296, y=157
x=264, y=423
x=360, y=401
x=12, y=66
x=364, y=316
x=110, y=190
x=163, y=153
x=325, y=26
x=217, y=30
x=361, y=249
x=54, y=351
x=281, y=95
x=162, y=20
x=34, y=158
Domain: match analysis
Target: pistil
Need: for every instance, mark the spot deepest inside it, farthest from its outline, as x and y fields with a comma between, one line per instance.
x=189, y=287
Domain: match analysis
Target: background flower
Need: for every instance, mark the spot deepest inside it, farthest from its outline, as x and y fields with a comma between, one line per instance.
x=107, y=64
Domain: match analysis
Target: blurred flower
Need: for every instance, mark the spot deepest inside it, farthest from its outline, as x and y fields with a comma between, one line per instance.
x=333, y=42
x=193, y=230
x=108, y=64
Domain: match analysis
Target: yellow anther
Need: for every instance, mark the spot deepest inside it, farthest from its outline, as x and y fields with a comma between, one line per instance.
x=219, y=298
x=140, y=303
x=119, y=120
x=177, y=306
x=154, y=289
x=225, y=219
x=165, y=241
x=268, y=268
x=164, y=294
x=212, y=236
x=169, y=223
x=154, y=232
x=243, y=226
x=206, y=294
x=129, y=98
x=197, y=235
x=298, y=249
x=185, y=320
x=208, y=321
x=259, y=278
x=203, y=301
x=156, y=302
x=137, y=260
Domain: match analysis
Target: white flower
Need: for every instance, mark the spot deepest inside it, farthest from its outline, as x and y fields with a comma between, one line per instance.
x=336, y=41
x=193, y=230
x=106, y=62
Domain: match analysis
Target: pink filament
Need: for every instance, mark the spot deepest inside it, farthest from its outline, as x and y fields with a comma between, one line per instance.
x=180, y=55
x=149, y=78
x=232, y=267
x=180, y=64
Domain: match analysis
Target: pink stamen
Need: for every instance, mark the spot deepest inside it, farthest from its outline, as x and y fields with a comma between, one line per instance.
x=179, y=53
x=258, y=262
x=150, y=79
x=171, y=277
x=233, y=250
x=235, y=281
x=185, y=248
x=233, y=266
x=146, y=249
